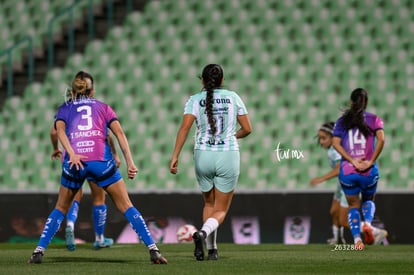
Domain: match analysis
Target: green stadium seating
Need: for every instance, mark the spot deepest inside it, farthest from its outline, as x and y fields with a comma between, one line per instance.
x=293, y=62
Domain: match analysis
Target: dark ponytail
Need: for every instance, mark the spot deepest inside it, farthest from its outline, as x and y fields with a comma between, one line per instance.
x=354, y=116
x=212, y=76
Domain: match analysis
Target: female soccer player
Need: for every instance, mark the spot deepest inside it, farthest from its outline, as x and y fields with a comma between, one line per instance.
x=359, y=138
x=216, y=112
x=98, y=198
x=82, y=127
x=339, y=206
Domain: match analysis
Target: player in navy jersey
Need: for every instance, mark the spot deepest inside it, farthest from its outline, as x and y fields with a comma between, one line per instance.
x=359, y=138
x=98, y=197
x=82, y=125
x=339, y=206
x=217, y=112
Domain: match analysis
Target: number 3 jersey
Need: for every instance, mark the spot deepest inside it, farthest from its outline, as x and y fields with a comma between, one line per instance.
x=87, y=121
x=356, y=144
x=227, y=105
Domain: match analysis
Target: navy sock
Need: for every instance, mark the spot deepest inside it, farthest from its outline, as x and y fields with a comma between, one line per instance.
x=138, y=224
x=51, y=227
x=354, y=219
x=368, y=211
x=72, y=214
x=99, y=219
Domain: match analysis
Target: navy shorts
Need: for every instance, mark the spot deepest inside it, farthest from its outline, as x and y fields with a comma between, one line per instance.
x=354, y=184
x=103, y=173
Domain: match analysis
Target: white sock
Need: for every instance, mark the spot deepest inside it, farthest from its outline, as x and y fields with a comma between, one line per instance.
x=70, y=224
x=210, y=225
x=153, y=247
x=335, y=231
x=39, y=249
x=211, y=241
x=99, y=238
x=341, y=232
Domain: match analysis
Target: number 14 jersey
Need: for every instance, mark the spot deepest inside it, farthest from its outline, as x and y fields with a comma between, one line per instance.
x=355, y=143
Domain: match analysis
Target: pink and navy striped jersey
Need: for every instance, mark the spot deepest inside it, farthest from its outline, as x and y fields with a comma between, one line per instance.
x=355, y=143
x=87, y=121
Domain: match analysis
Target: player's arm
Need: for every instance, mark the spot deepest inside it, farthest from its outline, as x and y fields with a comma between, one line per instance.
x=245, y=126
x=182, y=134
x=57, y=153
x=116, y=128
x=74, y=159
x=331, y=174
x=336, y=143
x=379, y=145
x=113, y=149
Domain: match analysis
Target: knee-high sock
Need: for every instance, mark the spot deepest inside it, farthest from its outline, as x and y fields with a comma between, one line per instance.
x=72, y=214
x=211, y=240
x=140, y=227
x=210, y=225
x=51, y=227
x=368, y=211
x=354, y=220
x=335, y=231
x=99, y=220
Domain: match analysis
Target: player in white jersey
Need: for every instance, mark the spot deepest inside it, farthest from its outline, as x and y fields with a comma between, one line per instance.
x=217, y=112
x=339, y=206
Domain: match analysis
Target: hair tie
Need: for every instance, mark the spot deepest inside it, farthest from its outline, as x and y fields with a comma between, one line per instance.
x=326, y=129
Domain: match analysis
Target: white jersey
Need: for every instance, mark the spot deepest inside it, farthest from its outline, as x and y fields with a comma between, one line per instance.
x=226, y=107
x=333, y=156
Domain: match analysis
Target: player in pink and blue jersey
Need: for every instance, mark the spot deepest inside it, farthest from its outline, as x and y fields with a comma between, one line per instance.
x=99, y=209
x=359, y=138
x=82, y=125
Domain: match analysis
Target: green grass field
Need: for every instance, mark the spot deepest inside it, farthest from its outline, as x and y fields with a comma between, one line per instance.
x=233, y=259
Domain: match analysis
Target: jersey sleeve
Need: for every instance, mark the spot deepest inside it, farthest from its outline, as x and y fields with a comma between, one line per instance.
x=378, y=124
x=189, y=107
x=110, y=115
x=339, y=130
x=336, y=156
x=241, y=107
x=61, y=115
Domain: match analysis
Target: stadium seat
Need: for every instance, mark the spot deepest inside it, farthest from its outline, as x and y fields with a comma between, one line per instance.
x=294, y=63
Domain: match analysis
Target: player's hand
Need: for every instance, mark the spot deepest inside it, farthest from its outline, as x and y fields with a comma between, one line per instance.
x=174, y=166
x=132, y=171
x=76, y=160
x=57, y=154
x=117, y=161
x=360, y=164
x=316, y=181
x=364, y=165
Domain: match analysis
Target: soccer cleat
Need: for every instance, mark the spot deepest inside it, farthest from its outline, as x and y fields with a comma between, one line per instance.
x=359, y=245
x=107, y=242
x=156, y=257
x=368, y=234
x=70, y=239
x=36, y=258
x=332, y=241
x=380, y=235
x=212, y=255
x=198, y=238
